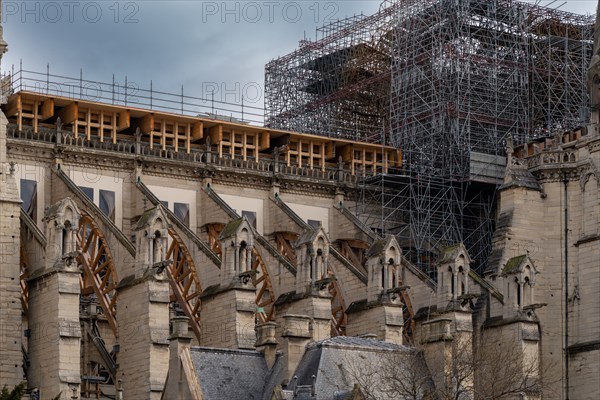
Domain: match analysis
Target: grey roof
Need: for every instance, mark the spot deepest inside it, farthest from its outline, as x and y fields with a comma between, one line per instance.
x=145, y=218
x=243, y=374
x=376, y=248
x=337, y=362
x=519, y=176
x=233, y=374
x=307, y=236
x=231, y=228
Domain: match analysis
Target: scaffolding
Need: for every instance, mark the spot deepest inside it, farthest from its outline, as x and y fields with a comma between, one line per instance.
x=447, y=81
x=337, y=86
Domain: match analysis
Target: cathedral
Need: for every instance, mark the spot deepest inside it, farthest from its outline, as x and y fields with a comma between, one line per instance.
x=151, y=255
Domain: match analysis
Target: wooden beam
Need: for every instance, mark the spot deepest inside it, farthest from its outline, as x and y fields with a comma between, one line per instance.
x=147, y=123
x=265, y=140
x=197, y=130
x=347, y=153
x=47, y=109
x=15, y=104
x=188, y=137
x=330, y=150
x=124, y=120
x=216, y=134
x=69, y=114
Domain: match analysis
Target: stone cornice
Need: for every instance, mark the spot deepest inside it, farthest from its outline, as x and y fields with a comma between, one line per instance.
x=45, y=152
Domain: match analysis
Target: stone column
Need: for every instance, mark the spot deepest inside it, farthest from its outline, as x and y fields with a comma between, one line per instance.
x=143, y=321
x=228, y=314
x=11, y=362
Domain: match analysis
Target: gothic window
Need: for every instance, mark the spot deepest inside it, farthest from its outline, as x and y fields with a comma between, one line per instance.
x=29, y=197
x=314, y=223
x=182, y=212
x=107, y=203
x=519, y=300
x=88, y=191
x=251, y=217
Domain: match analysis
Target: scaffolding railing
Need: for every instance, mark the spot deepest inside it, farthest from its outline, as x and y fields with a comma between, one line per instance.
x=129, y=93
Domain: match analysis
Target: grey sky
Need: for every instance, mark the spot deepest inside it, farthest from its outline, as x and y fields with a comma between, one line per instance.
x=196, y=44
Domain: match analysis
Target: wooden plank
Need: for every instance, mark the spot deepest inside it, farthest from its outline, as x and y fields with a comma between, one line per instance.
x=88, y=120
x=15, y=104
x=69, y=114
x=176, y=136
x=265, y=140
x=124, y=120
x=347, y=153
x=101, y=127
x=147, y=124
x=197, y=130
x=188, y=137
x=47, y=109
x=330, y=150
x=35, y=115
x=163, y=132
x=114, y=127
x=215, y=134
x=244, y=145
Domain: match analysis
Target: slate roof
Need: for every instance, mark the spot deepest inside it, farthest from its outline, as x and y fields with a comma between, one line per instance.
x=307, y=236
x=243, y=374
x=513, y=264
x=330, y=359
x=145, y=218
x=376, y=248
x=231, y=228
x=234, y=374
x=519, y=176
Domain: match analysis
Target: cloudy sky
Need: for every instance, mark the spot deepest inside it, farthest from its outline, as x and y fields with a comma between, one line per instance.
x=198, y=44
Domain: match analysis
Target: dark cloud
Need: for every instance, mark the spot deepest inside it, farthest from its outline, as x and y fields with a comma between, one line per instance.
x=196, y=44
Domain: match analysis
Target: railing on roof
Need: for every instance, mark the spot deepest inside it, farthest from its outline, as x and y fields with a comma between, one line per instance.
x=265, y=164
x=130, y=93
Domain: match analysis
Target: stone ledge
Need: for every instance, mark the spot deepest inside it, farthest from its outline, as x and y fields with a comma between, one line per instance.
x=220, y=288
x=583, y=347
x=586, y=239
x=363, y=305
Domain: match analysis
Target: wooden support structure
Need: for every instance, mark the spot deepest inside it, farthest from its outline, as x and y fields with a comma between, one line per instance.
x=213, y=231
x=23, y=276
x=99, y=273
x=30, y=111
x=338, y=308
x=180, y=133
x=354, y=251
x=184, y=281
x=311, y=153
x=265, y=295
x=370, y=161
x=177, y=133
x=285, y=247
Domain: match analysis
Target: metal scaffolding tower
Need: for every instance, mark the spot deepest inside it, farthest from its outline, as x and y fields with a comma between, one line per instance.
x=338, y=85
x=446, y=81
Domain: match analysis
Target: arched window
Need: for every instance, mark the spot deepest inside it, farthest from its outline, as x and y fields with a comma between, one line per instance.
x=66, y=231
x=527, y=291
x=517, y=285
x=157, y=247
x=452, y=289
x=242, y=257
